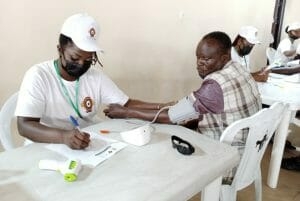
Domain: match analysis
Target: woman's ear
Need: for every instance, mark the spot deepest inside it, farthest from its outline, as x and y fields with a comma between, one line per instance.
x=59, y=50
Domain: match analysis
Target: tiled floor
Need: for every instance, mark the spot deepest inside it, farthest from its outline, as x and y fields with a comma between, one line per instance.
x=289, y=181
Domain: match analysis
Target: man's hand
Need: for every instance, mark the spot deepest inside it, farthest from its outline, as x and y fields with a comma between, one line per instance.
x=75, y=139
x=261, y=76
x=116, y=111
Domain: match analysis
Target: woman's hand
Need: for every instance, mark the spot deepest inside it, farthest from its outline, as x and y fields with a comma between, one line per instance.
x=75, y=139
x=116, y=111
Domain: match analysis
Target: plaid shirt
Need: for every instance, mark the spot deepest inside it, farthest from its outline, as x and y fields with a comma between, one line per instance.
x=241, y=99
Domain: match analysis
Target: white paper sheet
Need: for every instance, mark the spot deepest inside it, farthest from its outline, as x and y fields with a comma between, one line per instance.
x=99, y=150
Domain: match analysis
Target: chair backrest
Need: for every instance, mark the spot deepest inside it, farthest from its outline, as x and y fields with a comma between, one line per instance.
x=261, y=127
x=270, y=52
x=276, y=58
x=6, y=116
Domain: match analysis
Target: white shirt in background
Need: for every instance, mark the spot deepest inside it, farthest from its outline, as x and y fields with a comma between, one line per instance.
x=287, y=45
x=244, y=60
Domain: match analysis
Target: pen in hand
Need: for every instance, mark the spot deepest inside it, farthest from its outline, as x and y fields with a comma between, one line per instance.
x=75, y=123
x=85, y=137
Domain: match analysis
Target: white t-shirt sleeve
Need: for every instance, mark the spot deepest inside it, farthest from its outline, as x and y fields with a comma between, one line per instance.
x=31, y=100
x=110, y=93
x=284, y=45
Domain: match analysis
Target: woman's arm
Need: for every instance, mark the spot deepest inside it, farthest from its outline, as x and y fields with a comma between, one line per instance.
x=32, y=129
x=137, y=104
x=118, y=111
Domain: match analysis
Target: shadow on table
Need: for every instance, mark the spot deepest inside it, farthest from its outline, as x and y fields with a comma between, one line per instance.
x=12, y=191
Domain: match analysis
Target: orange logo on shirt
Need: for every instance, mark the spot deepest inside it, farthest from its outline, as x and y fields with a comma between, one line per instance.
x=87, y=104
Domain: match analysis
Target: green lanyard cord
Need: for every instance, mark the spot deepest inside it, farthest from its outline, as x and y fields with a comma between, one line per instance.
x=66, y=93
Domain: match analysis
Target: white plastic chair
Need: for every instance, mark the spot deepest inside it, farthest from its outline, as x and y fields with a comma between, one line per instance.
x=270, y=52
x=275, y=57
x=261, y=127
x=6, y=116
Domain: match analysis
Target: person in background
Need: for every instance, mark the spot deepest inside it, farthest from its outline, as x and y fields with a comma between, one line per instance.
x=228, y=93
x=240, y=52
x=242, y=47
x=288, y=51
x=68, y=85
x=288, y=46
x=292, y=163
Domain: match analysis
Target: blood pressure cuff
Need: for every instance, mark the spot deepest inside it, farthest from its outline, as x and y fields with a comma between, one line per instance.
x=183, y=111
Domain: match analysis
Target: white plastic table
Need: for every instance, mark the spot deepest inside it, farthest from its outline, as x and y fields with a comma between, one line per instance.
x=286, y=89
x=152, y=172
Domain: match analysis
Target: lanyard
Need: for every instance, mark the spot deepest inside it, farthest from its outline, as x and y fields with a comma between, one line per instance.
x=66, y=93
x=246, y=62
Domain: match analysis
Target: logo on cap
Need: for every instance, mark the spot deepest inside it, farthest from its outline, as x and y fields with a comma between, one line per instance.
x=92, y=32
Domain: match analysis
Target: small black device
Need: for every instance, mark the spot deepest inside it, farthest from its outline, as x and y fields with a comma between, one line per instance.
x=182, y=146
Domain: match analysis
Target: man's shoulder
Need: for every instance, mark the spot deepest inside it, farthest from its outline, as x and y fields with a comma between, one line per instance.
x=283, y=43
x=231, y=69
x=285, y=40
x=232, y=72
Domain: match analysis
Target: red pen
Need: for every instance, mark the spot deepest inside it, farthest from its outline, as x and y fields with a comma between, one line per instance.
x=104, y=131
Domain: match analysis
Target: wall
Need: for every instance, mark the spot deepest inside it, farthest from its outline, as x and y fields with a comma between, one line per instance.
x=291, y=15
x=149, y=45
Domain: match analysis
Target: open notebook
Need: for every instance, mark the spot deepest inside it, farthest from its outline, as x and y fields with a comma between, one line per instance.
x=99, y=150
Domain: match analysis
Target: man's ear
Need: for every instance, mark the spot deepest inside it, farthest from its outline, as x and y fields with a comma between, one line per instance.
x=225, y=58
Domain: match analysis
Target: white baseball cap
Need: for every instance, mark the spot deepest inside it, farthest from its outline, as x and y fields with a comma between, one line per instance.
x=250, y=34
x=83, y=30
x=293, y=26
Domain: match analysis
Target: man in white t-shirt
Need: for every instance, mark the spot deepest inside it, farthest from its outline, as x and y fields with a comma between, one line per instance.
x=288, y=46
x=70, y=85
x=241, y=48
x=288, y=51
